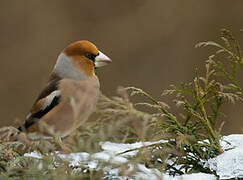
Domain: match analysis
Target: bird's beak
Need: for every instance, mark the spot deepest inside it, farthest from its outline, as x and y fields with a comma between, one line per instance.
x=102, y=60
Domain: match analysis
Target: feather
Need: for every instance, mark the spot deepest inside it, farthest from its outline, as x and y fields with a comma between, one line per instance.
x=47, y=100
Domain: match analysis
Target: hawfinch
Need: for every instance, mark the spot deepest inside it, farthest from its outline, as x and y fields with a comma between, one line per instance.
x=72, y=91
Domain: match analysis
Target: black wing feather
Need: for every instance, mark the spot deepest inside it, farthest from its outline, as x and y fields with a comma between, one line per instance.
x=34, y=117
x=51, y=86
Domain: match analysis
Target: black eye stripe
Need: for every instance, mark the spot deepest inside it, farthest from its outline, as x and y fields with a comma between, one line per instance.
x=90, y=56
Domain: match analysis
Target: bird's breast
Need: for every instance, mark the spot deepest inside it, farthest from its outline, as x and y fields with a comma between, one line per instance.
x=78, y=101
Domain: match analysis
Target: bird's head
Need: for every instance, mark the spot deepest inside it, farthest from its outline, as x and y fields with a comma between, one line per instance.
x=82, y=56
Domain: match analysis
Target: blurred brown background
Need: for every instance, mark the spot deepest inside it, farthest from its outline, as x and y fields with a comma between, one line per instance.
x=151, y=43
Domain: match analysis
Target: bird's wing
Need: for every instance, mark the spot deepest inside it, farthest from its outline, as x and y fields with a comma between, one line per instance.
x=46, y=101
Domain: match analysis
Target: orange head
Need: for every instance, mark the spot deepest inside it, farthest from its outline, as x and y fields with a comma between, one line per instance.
x=80, y=57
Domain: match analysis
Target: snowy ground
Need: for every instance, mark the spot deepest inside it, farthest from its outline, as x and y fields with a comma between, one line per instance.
x=227, y=165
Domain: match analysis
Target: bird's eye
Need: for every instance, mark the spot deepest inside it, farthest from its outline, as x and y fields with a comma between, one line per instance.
x=90, y=56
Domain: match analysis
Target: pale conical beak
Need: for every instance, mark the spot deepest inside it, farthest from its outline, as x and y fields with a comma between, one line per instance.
x=102, y=60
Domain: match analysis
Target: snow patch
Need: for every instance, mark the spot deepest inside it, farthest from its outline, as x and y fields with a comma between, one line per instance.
x=227, y=165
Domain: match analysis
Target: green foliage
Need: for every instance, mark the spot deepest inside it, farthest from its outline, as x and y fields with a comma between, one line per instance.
x=191, y=130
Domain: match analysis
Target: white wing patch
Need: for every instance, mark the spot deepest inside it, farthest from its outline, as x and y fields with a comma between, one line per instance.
x=50, y=98
x=28, y=116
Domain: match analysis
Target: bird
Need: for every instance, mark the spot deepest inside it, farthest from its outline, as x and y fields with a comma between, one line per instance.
x=71, y=93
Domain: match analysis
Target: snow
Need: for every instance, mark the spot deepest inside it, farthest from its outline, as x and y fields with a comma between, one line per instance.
x=115, y=148
x=228, y=165
x=75, y=158
x=195, y=176
x=33, y=155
